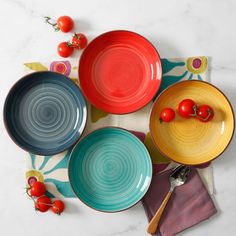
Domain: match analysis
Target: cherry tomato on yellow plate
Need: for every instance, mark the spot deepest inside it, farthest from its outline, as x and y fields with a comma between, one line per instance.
x=205, y=113
x=167, y=115
x=187, y=108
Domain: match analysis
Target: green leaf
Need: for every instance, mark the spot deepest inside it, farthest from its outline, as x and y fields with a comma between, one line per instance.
x=156, y=156
x=36, y=66
x=75, y=80
x=170, y=65
x=97, y=114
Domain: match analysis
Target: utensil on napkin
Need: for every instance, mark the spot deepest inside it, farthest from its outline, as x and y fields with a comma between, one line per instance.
x=177, y=178
x=188, y=205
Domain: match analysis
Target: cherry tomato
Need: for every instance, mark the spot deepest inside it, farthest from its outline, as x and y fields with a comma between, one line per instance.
x=187, y=108
x=64, y=49
x=58, y=207
x=167, y=115
x=65, y=23
x=205, y=113
x=79, y=41
x=37, y=189
x=43, y=203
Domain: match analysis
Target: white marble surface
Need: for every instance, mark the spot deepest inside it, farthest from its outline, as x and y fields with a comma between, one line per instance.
x=177, y=29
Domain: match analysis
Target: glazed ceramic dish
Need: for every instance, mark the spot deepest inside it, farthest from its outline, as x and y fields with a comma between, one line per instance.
x=110, y=169
x=45, y=113
x=120, y=72
x=190, y=141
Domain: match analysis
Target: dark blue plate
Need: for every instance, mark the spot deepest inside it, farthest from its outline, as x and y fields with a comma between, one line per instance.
x=45, y=113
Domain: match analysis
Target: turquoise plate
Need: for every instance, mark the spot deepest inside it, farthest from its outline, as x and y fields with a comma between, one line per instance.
x=110, y=169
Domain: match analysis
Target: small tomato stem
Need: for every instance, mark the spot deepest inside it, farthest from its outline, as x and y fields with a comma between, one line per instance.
x=54, y=25
x=208, y=116
x=58, y=211
x=77, y=36
x=27, y=192
x=71, y=45
x=47, y=204
x=195, y=111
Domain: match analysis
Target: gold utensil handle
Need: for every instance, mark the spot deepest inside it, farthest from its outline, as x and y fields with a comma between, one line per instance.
x=153, y=224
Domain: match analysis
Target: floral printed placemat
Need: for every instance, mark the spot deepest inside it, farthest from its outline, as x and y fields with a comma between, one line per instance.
x=53, y=169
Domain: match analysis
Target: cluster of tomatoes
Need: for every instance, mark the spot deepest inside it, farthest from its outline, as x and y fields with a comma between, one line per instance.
x=65, y=24
x=42, y=202
x=187, y=108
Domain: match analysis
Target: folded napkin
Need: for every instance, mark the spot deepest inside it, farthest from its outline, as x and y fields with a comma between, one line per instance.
x=189, y=204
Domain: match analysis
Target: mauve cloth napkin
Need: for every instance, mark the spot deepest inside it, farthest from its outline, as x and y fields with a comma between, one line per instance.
x=189, y=204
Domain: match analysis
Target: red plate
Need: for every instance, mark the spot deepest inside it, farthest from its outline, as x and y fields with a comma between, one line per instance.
x=120, y=72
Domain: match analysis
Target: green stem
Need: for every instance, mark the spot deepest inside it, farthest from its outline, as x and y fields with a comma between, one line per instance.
x=54, y=25
x=208, y=116
x=71, y=45
x=195, y=111
x=77, y=36
x=27, y=192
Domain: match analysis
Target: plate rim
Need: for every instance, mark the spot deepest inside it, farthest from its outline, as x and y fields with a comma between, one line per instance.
x=149, y=160
x=189, y=81
x=122, y=31
x=5, y=117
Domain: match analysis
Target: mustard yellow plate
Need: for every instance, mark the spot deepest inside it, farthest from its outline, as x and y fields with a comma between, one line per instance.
x=190, y=141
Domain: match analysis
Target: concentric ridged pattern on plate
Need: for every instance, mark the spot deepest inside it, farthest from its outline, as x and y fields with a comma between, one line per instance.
x=120, y=72
x=190, y=141
x=110, y=169
x=48, y=112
